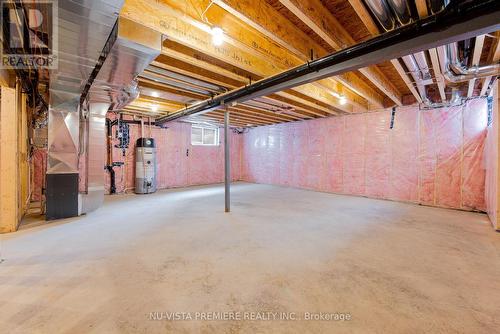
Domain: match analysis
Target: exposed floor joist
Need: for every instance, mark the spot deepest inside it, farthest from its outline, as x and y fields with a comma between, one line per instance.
x=325, y=25
x=265, y=19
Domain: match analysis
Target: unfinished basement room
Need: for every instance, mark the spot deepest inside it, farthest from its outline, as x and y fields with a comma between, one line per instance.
x=250, y=166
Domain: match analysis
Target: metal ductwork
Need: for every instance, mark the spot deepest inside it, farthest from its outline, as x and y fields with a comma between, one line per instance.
x=460, y=20
x=131, y=47
x=417, y=65
x=455, y=70
x=435, y=6
x=99, y=59
x=382, y=12
x=390, y=14
x=83, y=28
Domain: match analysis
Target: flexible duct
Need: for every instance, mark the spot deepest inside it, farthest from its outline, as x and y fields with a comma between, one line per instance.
x=381, y=11
x=391, y=14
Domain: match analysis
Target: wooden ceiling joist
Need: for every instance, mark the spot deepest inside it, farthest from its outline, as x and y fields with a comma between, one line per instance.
x=182, y=29
x=493, y=57
x=476, y=56
x=265, y=19
x=315, y=100
x=247, y=38
x=324, y=24
x=438, y=74
x=371, y=26
x=438, y=71
x=220, y=119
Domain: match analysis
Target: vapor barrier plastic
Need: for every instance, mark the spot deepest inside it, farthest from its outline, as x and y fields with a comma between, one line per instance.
x=492, y=150
x=433, y=157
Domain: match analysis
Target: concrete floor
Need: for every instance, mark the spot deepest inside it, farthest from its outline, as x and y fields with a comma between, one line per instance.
x=395, y=268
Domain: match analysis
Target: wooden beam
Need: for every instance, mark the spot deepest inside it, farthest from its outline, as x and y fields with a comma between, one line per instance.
x=199, y=69
x=266, y=20
x=244, y=118
x=422, y=12
x=421, y=8
x=438, y=73
x=365, y=16
x=9, y=209
x=187, y=31
x=317, y=17
x=476, y=57
x=144, y=82
x=315, y=98
x=370, y=24
x=401, y=71
x=494, y=57
x=265, y=112
x=218, y=119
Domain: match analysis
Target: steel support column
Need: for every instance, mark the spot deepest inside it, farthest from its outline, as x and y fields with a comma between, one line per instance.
x=227, y=163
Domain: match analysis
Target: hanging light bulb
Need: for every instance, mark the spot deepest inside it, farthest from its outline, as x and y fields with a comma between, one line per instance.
x=342, y=100
x=217, y=36
x=154, y=108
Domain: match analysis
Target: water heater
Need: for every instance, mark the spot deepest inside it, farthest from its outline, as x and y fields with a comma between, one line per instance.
x=145, y=166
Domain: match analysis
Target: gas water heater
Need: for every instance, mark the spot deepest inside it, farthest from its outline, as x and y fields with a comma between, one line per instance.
x=145, y=166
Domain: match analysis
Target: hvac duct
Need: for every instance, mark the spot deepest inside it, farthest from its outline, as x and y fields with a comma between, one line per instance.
x=454, y=70
x=418, y=71
x=402, y=11
x=416, y=63
x=131, y=47
x=83, y=28
x=435, y=6
x=80, y=90
x=382, y=12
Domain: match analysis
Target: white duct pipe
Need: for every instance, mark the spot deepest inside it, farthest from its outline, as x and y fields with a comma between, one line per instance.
x=416, y=73
x=455, y=72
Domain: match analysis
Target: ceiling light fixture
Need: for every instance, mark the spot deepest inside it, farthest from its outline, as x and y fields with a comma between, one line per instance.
x=155, y=94
x=217, y=36
x=154, y=107
x=342, y=98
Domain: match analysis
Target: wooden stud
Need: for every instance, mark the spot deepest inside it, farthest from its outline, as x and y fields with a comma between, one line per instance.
x=9, y=186
x=476, y=56
x=494, y=57
x=437, y=73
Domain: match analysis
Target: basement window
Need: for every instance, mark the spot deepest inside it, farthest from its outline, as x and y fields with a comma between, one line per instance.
x=207, y=136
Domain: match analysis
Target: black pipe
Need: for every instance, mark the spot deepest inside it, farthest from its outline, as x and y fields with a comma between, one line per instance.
x=460, y=20
x=112, y=183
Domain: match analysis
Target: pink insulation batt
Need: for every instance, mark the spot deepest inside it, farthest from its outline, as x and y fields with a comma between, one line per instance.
x=433, y=157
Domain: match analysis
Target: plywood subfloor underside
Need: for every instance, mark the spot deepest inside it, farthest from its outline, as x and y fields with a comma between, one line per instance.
x=394, y=267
